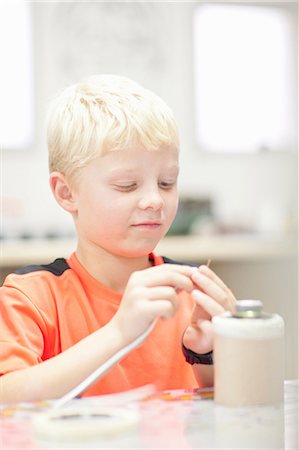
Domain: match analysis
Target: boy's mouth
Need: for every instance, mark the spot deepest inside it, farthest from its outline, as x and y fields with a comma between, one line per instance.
x=147, y=224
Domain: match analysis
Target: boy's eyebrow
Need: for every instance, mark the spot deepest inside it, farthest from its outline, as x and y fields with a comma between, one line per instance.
x=123, y=170
x=129, y=170
x=119, y=172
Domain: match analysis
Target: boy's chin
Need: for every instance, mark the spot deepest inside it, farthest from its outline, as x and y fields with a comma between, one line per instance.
x=137, y=253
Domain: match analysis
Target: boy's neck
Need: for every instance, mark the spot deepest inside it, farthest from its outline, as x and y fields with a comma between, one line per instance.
x=111, y=270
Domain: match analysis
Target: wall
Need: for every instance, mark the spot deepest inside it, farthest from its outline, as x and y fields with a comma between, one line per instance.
x=152, y=43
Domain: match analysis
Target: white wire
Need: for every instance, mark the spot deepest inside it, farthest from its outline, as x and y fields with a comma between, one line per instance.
x=101, y=370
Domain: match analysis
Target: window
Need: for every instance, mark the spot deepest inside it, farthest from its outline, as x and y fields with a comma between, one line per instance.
x=245, y=82
x=16, y=84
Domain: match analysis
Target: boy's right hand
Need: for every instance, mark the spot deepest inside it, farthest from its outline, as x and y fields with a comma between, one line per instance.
x=149, y=294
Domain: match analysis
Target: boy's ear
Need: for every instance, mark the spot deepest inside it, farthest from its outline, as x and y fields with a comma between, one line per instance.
x=62, y=192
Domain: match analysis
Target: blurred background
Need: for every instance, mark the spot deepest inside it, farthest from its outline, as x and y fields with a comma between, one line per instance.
x=228, y=71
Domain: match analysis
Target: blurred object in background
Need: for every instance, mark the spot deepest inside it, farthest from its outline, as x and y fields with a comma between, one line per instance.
x=192, y=214
x=274, y=221
x=199, y=216
x=12, y=212
x=16, y=222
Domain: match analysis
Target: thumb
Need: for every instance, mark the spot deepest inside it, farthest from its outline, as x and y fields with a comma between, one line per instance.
x=199, y=338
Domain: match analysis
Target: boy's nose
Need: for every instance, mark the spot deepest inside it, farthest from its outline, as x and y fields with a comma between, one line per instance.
x=151, y=200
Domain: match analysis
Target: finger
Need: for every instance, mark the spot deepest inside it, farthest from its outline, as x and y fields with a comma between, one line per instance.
x=223, y=296
x=212, y=275
x=199, y=339
x=160, y=308
x=208, y=286
x=162, y=292
x=199, y=314
x=207, y=303
x=164, y=278
x=165, y=293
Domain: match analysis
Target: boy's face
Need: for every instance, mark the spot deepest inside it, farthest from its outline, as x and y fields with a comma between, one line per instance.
x=126, y=200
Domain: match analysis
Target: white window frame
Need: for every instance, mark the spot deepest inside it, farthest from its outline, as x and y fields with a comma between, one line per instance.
x=244, y=86
x=16, y=76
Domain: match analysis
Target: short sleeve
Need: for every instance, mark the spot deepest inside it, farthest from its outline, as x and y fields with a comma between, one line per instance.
x=22, y=331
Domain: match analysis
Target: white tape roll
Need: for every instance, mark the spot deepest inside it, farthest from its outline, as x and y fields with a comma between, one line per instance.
x=83, y=423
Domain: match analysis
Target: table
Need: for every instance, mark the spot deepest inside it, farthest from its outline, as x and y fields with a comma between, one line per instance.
x=169, y=420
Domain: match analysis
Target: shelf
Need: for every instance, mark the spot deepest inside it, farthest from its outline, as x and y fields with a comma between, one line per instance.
x=14, y=253
x=225, y=248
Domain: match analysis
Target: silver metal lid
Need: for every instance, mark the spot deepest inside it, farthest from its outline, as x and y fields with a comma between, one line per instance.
x=248, y=308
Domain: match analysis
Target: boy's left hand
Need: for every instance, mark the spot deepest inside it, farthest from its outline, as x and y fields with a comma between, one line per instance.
x=211, y=297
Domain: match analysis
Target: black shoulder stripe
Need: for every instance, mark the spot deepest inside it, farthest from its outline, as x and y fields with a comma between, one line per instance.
x=57, y=267
x=172, y=261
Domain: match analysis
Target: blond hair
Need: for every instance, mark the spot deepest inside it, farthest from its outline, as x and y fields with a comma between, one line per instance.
x=105, y=113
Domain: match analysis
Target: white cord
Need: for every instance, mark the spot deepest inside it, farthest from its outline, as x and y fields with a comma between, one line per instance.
x=101, y=370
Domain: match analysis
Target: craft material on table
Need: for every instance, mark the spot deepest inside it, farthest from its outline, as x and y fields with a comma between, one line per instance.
x=181, y=419
x=248, y=356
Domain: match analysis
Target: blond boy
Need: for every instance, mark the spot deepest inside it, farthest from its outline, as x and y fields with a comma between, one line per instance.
x=113, y=157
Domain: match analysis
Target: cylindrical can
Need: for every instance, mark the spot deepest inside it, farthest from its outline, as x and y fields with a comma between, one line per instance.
x=248, y=356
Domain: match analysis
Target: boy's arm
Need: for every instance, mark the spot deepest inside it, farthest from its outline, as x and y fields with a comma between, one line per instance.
x=149, y=294
x=58, y=375
x=204, y=374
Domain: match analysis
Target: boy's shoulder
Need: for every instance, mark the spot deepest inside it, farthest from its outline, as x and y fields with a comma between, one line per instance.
x=43, y=286
x=57, y=268
x=37, y=277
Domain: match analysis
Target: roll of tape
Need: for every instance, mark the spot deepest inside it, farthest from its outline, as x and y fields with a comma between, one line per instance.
x=83, y=423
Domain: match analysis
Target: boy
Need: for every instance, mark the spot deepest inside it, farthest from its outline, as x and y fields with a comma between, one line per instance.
x=113, y=156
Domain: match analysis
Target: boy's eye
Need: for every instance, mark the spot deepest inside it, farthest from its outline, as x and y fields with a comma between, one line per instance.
x=125, y=187
x=167, y=184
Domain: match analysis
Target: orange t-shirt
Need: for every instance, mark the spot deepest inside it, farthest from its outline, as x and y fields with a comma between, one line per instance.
x=44, y=310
